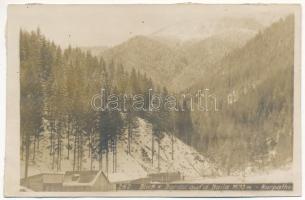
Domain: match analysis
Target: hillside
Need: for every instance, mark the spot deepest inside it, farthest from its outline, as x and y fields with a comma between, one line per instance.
x=270, y=49
x=203, y=55
x=175, y=63
x=172, y=58
x=138, y=164
x=148, y=56
x=62, y=127
x=254, y=87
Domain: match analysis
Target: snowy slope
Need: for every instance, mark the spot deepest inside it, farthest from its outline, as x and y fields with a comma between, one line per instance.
x=137, y=164
x=186, y=159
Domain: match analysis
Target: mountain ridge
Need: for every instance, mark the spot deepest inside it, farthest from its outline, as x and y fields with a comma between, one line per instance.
x=173, y=63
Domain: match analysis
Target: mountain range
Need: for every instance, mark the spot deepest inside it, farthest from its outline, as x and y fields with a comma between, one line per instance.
x=178, y=61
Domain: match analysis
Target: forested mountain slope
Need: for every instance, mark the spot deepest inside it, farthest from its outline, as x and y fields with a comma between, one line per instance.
x=148, y=56
x=175, y=64
x=203, y=55
x=61, y=117
x=254, y=90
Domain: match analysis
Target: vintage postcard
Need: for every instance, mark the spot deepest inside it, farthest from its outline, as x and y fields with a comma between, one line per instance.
x=187, y=100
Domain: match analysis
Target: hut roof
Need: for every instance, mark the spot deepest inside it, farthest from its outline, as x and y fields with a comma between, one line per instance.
x=82, y=178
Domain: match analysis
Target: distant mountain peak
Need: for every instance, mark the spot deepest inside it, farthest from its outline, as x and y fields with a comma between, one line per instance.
x=203, y=28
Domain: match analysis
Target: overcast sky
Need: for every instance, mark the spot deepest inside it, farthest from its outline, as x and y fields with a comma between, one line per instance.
x=108, y=25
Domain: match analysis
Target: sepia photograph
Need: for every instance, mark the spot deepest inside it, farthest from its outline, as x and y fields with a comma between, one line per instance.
x=189, y=100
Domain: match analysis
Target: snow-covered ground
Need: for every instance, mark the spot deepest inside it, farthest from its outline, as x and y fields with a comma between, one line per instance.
x=194, y=167
x=138, y=163
x=186, y=160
